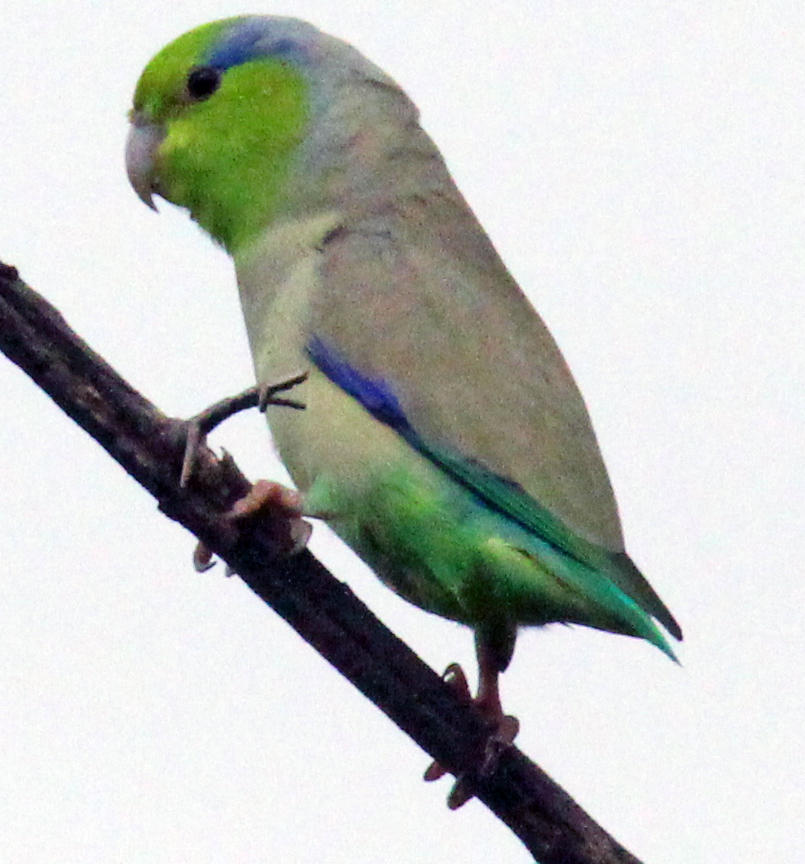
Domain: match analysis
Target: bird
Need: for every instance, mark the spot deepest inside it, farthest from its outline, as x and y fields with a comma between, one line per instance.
x=443, y=437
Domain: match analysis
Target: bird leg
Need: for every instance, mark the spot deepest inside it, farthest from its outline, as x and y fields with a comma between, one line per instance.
x=503, y=727
x=281, y=506
x=261, y=396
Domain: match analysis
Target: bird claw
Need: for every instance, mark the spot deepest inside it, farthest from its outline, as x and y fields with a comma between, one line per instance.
x=267, y=393
x=199, y=426
x=283, y=504
x=464, y=788
x=194, y=438
x=202, y=558
x=455, y=677
x=503, y=731
x=280, y=507
x=434, y=771
x=501, y=738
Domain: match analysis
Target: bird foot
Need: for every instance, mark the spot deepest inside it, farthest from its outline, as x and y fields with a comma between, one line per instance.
x=280, y=510
x=503, y=729
x=196, y=429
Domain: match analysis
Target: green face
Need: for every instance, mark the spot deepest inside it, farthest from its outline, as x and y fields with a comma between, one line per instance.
x=228, y=136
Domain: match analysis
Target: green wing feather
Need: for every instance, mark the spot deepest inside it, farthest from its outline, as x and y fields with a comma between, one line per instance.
x=513, y=502
x=478, y=376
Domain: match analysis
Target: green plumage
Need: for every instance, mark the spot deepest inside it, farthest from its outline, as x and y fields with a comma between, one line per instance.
x=450, y=448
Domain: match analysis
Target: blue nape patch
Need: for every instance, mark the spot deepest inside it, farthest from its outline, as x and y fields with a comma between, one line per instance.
x=374, y=394
x=251, y=38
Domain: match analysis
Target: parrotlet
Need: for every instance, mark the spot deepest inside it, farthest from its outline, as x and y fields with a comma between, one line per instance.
x=444, y=438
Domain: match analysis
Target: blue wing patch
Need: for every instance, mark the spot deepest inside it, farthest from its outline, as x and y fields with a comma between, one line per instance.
x=374, y=394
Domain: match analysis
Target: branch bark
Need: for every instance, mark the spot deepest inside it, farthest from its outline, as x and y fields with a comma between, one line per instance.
x=323, y=610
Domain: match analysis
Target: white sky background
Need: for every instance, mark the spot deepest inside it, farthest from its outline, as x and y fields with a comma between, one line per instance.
x=640, y=167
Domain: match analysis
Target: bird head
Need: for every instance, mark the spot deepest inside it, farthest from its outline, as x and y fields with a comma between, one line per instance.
x=234, y=120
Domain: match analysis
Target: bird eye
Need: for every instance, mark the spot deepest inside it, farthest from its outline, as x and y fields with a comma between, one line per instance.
x=203, y=81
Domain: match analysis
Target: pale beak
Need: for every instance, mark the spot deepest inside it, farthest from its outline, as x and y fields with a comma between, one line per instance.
x=141, y=147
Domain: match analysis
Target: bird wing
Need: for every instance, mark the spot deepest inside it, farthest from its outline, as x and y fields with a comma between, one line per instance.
x=418, y=318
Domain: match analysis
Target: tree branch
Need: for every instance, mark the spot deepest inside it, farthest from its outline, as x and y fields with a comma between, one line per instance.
x=324, y=611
